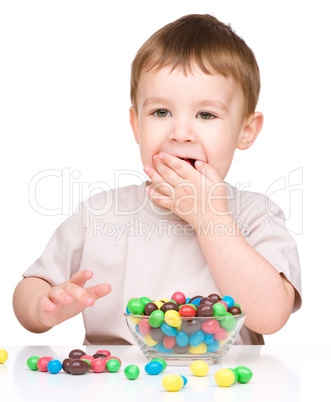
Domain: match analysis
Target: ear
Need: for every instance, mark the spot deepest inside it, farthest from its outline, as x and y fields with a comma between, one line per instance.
x=251, y=129
x=134, y=123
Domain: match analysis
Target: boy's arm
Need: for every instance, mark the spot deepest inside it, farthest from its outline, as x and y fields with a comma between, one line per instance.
x=39, y=306
x=241, y=272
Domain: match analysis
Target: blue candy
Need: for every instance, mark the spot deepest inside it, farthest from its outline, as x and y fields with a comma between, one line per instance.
x=208, y=339
x=196, y=301
x=197, y=338
x=54, y=366
x=182, y=339
x=184, y=379
x=213, y=347
x=228, y=300
x=153, y=368
x=168, y=330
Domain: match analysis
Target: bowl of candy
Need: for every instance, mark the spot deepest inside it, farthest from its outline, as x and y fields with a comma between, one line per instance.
x=181, y=330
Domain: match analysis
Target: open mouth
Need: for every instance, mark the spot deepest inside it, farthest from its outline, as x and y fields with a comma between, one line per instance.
x=189, y=160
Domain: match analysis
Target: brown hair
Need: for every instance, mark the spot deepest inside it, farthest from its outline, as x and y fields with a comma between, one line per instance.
x=203, y=39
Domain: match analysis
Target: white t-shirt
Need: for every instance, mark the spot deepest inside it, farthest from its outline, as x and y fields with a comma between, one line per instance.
x=143, y=250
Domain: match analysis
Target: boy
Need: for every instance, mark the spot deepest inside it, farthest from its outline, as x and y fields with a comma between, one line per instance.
x=194, y=89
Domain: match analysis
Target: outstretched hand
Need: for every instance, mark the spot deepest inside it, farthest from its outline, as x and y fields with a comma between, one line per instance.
x=69, y=299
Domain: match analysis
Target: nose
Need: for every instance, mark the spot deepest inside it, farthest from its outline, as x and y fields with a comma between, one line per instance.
x=181, y=131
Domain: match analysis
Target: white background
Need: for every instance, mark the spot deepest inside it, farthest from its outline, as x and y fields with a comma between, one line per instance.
x=64, y=100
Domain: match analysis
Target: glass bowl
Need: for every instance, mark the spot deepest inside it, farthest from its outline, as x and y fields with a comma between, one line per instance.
x=181, y=340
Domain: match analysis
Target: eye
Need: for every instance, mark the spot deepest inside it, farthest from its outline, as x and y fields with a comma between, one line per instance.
x=161, y=113
x=205, y=115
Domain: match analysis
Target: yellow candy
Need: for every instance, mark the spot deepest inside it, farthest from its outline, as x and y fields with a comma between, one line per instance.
x=135, y=320
x=198, y=350
x=173, y=382
x=3, y=356
x=149, y=341
x=199, y=368
x=224, y=378
x=172, y=318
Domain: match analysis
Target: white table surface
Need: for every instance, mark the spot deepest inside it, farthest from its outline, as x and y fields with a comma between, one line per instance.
x=279, y=374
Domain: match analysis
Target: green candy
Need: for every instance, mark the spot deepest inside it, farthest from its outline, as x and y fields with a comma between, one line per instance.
x=113, y=365
x=156, y=318
x=136, y=306
x=244, y=374
x=131, y=372
x=32, y=362
x=164, y=364
x=235, y=374
x=228, y=322
x=145, y=300
x=219, y=310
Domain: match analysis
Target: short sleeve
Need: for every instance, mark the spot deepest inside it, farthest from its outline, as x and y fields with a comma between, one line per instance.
x=269, y=236
x=62, y=255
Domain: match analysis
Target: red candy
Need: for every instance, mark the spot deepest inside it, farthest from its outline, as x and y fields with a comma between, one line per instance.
x=210, y=326
x=221, y=334
x=144, y=327
x=187, y=311
x=169, y=342
x=179, y=298
x=42, y=363
x=98, y=365
x=87, y=357
x=222, y=302
x=105, y=352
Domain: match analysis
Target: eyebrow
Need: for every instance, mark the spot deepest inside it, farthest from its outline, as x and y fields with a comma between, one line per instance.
x=205, y=102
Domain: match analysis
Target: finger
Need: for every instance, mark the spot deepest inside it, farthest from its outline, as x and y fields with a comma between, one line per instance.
x=78, y=293
x=158, y=181
x=58, y=295
x=208, y=171
x=81, y=277
x=46, y=305
x=98, y=291
x=158, y=198
x=177, y=166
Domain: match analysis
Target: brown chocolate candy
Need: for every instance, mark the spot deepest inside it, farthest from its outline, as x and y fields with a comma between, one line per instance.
x=157, y=334
x=65, y=365
x=207, y=300
x=191, y=326
x=169, y=306
x=76, y=354
x=181, y=349
x=78, y=367
x=150, y=307
x=215, y=297
x=99, y=355
x=234, y=310
x=205, y=310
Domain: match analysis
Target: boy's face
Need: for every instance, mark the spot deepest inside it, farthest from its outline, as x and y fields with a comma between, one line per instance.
x=196, y=116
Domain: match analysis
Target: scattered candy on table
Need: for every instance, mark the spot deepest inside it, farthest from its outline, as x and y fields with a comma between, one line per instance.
x=131, y=372
x=173, y=382
x=227, y=377
x=199, y=368
x=3, y=356
x=196, y=325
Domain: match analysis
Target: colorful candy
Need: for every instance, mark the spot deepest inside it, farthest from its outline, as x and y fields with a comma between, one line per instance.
x=184, y=325
x=224, y=377
x=43, y=362
x=131, y=372
x=154, y=368
x=244, y=374
x=199, y=368
x=32, y=363
x=54, y=366
x=173, y=382
x=78, y=367
x=113, y=365
x=3, y=356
